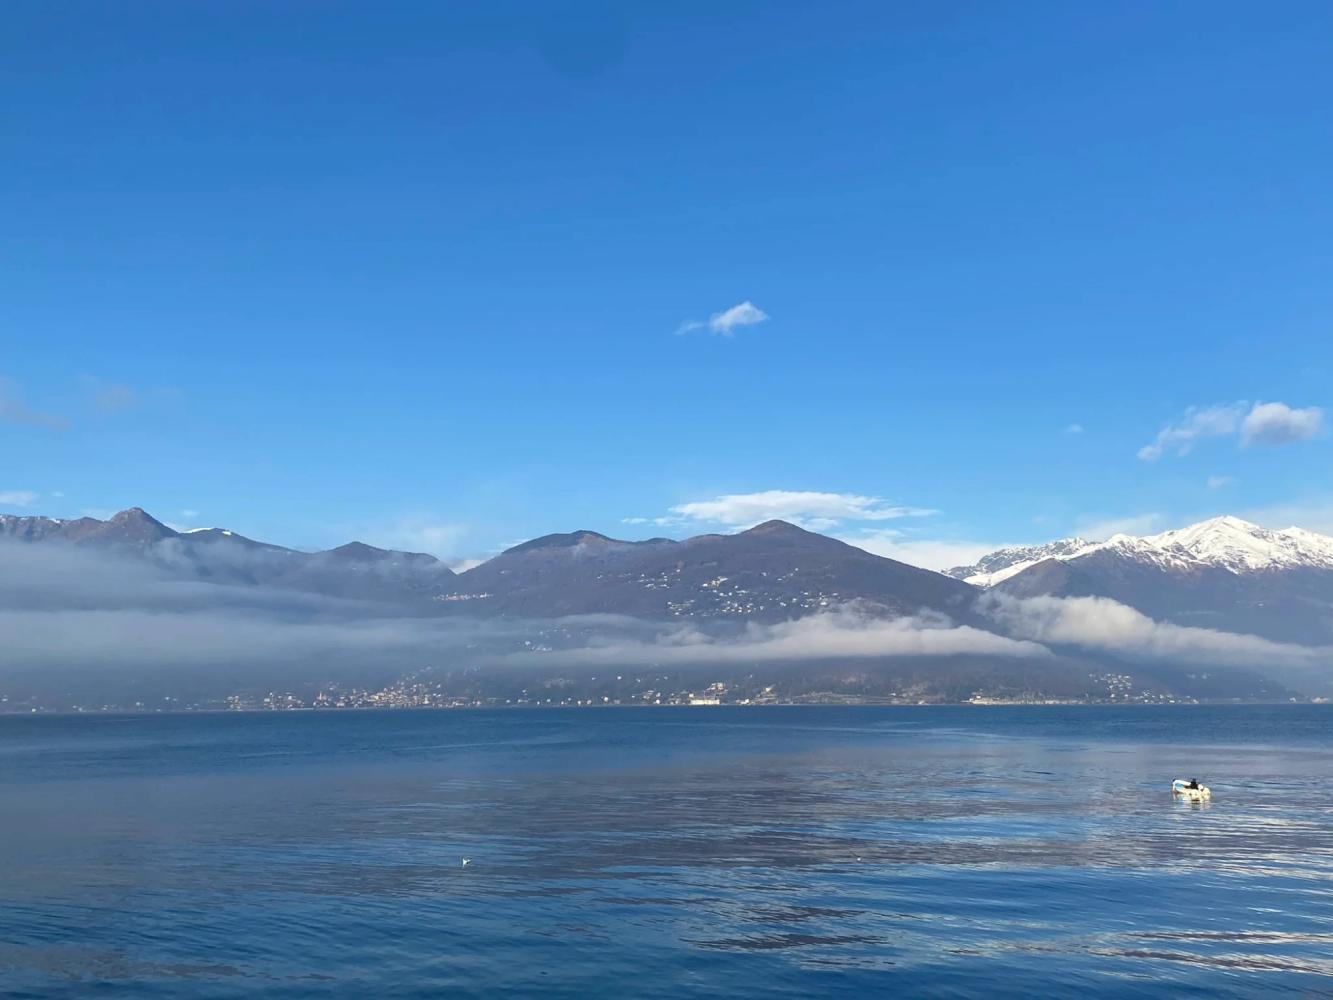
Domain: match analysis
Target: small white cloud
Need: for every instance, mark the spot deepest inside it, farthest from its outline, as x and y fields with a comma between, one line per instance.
x=817, y=511
x=745, y=314
x=18, y=498
x=1279, y=424
x=1074, y=429
x=189, y=515
x=727, y=321
x=463, y=565
x=1217, y=482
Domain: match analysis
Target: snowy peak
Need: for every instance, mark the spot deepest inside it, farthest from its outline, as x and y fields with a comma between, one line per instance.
x=1227, y=543
x=1239, y=546
x=1004, y=563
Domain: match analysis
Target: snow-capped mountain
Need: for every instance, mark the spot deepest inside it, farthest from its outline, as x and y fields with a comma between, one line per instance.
x=1228, y=543
x=1225, y=574
x=1242, y=547
x=1004, y=563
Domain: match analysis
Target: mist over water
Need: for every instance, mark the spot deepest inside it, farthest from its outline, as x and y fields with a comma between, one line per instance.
x=748, y=852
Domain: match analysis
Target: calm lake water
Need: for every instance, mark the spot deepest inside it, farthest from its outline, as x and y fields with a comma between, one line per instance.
x=661, y=853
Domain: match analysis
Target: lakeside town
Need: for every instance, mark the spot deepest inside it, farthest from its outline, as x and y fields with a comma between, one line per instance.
x=616, y=691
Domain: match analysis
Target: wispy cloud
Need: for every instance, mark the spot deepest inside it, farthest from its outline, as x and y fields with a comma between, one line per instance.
x=1198, y=422
x=18, y=498
x=1217, y=482
x=1256, y=424
x=727, y=321
x=814, y=510
x=15, y=410
x=1074, y=429
x=109, y=397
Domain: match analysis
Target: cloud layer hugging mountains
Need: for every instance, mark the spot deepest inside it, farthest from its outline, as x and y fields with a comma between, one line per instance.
x=72, y=610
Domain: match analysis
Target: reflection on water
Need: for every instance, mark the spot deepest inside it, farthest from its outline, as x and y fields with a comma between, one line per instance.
x=635, y=852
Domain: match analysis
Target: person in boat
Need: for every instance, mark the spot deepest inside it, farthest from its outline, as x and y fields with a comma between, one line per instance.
x=1194, y=783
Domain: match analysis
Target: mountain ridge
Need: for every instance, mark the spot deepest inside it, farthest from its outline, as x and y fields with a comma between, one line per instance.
x=1224, y=573
x=770, y=572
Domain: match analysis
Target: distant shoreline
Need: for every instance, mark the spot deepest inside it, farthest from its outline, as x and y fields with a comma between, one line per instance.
x=390, y=710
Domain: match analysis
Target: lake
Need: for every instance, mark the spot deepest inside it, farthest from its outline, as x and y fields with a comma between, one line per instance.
x=739, y=852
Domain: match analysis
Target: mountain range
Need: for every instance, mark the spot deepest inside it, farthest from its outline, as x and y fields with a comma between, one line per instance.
x=772, y=572
x=217, y=555
x=1224, y=593
x=1224, y=574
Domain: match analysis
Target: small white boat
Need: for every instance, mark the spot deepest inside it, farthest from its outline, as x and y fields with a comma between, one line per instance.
x=1191, y=790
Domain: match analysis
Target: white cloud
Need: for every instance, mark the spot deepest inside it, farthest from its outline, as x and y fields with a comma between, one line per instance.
x=463, y=565
x=839, y=634
x=1074, y=429
x=936, y=554
x=1099, y=529
x=817, y=511
x=1103, y=624
x=18, y=498
x=1260, y=423
x=727, y=321
x=1217, y=482
x=189, y=515
x=745, y=314
x=1279, y=424
x=1198, y=422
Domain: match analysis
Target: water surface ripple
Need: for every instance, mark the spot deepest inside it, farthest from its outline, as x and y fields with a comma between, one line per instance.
x=735, y=852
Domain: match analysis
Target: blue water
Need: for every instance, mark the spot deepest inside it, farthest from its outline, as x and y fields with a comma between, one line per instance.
x=663, y=853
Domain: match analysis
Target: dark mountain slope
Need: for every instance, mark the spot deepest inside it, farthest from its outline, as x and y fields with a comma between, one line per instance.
x=771, y=572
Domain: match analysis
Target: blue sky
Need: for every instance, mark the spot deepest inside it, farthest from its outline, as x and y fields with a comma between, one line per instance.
x=444, y=276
